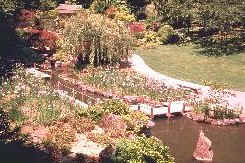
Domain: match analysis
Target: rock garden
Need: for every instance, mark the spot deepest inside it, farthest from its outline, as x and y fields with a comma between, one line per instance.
x=75, y=93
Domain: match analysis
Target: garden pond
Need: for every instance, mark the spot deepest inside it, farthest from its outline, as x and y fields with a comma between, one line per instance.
x=181, y=135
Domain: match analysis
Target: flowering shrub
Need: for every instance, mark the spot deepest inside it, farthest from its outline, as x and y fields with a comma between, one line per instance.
x=123, y=14
x=98, y=111
x=116, y=107
x=142, y=149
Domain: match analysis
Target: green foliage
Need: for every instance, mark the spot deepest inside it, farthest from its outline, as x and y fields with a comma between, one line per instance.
x=97, y=112
x=141, y=150
x=8, y=6
x=49, y=20
x=215, y=106
x=116, y=107
x=26, y=98
x=164, y=32
x=47, y=4
x=218, y=23
x=16, y=116
x=96, y=39
x=99, y=6
x=135, y=120
x=216, y=112
x=49, y=109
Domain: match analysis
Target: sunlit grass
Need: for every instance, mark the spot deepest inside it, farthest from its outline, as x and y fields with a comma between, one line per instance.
x=186, y=63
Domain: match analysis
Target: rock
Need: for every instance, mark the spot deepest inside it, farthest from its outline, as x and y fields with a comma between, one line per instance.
x=37, y=74
x=203, y=151
x=86, y=147
x=219, y=122
x=98, y=130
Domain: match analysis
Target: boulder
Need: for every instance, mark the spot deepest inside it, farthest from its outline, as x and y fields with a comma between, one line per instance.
x=203, y=151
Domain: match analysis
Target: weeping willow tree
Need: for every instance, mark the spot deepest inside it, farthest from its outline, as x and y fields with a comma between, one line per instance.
x=95, y=39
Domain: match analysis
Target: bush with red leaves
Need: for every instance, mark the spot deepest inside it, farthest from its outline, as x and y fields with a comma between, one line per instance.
x=25, y=15
x=114, y=125
x=25, y=18
x=42, y=39
x=136, y=27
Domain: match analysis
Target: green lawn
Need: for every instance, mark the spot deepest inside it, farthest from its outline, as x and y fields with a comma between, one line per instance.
x=187, y=64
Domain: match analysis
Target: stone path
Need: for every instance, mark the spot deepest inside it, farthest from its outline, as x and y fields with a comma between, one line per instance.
x=138, y=64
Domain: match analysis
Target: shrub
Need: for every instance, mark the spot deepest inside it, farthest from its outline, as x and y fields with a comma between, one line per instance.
x=61, y=135
x=50, y=21
x=136, y=27
x=98, y=111
x=42, y=39
x=124, y=14
x=93, y=112
x=142, y=149
x=116, y=107
x=99, y=6
x=135, y=120
x=47, y=4
x=164, y=32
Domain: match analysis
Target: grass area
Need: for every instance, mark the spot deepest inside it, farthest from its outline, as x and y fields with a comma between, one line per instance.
x=186, y=63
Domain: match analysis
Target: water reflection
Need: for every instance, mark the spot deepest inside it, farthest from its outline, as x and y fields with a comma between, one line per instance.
x=181, y=135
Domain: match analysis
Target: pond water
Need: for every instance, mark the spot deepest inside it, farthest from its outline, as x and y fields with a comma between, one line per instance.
x=181, y=134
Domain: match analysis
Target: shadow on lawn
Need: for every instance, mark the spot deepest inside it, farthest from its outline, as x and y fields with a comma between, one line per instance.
x=210, y=47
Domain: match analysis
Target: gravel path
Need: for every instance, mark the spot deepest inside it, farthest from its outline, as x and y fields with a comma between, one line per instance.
x=138, y=64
